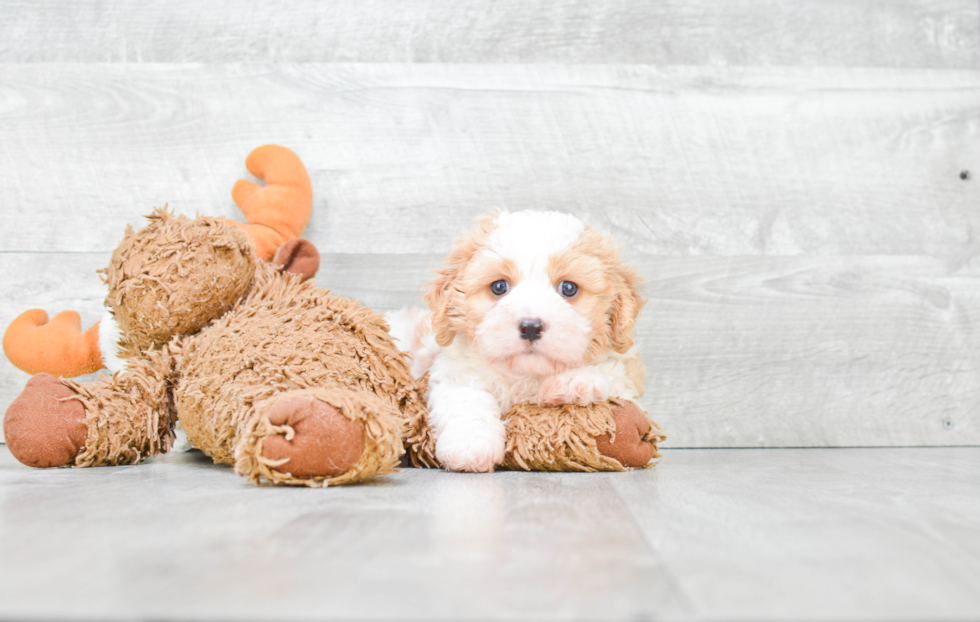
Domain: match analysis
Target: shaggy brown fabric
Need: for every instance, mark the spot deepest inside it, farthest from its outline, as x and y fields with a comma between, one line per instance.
x=317, y=439
x=562, y=438
x=129, y=416
x=420, y=441
x=174, y=276
x=44, y=426
x=287, y=335
x=634, y=442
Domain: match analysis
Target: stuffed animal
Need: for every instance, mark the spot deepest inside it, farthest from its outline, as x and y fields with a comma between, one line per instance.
x=262, y=369
x=608, y=436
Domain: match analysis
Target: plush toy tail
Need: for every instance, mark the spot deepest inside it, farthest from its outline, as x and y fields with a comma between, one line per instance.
x=58, y=347
x=278, y=211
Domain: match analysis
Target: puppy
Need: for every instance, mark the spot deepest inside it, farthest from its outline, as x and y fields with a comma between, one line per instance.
x=530, y=306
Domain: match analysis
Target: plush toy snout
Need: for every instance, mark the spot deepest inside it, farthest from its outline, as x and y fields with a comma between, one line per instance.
x=298, y=256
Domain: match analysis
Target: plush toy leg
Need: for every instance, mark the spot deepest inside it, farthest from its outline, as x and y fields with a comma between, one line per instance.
x=610, y=436
x=317, y=440
x=119, y=420
x=320, y=437
x=634, y=442
x=45, y=425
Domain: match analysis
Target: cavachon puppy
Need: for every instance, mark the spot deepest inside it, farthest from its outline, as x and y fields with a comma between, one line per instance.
x=530, y=306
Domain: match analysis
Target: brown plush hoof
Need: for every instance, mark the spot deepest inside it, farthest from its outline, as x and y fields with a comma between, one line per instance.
x=629, y=447
x=323, y=443
x=42, y=427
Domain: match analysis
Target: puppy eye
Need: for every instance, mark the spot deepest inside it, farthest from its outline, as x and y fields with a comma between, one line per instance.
x=567, y=289
x=499, y=288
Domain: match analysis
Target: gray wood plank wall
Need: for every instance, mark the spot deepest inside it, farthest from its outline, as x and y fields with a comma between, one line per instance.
x=787, y=177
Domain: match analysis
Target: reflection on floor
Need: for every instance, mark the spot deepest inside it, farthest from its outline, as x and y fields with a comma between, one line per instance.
x=816, y=533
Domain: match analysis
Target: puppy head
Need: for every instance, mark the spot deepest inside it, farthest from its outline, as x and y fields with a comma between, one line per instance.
x=538, y=292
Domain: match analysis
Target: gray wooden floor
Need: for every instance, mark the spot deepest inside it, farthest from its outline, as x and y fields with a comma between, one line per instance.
x=707, y=534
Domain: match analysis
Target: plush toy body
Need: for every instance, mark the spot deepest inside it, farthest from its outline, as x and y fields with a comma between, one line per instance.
x=263, y=369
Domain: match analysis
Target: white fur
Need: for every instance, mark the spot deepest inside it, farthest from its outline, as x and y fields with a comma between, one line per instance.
x=181, y=442
x=530, y=238
x=109, y=338
x=412, y=331
x=472, y=382
x=582, y=386
x=563, y=342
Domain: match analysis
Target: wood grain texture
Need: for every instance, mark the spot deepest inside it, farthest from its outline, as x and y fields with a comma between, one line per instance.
x=416, y=545
x=740, y=351
x=868, y=33
x=675, y=161
x=816, y=534
x=848, y=534
x=812, y=351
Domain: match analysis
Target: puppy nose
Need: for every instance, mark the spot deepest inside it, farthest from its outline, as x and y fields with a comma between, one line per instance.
x=531, y=328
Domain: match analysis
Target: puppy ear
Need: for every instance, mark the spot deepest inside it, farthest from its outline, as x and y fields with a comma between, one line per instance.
x=626, y=307
x=440, y=295
x=445, y=293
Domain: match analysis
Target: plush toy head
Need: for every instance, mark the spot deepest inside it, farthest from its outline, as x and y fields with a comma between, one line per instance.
x=176, y=275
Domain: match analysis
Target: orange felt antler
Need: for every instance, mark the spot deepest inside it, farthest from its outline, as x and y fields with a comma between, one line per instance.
x=58, y=347
x=278, y=211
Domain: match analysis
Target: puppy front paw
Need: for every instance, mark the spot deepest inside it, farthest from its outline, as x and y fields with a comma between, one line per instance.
x=462, y=449
x=579, y=386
